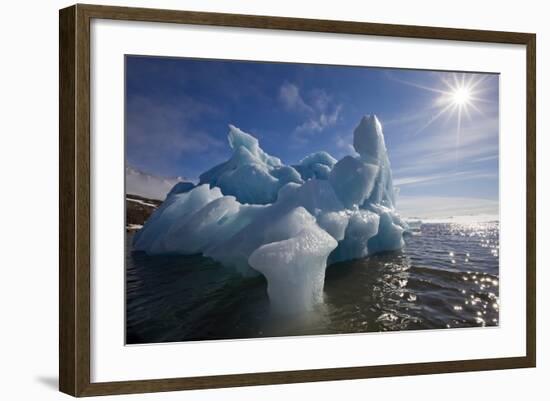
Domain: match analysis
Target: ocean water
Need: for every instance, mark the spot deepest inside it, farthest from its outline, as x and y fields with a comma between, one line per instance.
x=445, y=277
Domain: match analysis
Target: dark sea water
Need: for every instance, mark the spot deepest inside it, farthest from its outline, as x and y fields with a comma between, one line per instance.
x=445, y=277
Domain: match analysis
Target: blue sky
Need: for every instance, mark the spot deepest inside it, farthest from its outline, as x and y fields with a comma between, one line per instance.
x=177, y=112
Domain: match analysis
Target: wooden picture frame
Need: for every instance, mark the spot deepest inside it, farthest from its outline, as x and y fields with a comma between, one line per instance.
x=74, y=200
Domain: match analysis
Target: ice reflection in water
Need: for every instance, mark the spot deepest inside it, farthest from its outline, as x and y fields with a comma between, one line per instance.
x=447, y=276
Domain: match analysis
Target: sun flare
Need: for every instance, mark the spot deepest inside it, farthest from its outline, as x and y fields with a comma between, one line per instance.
x=461, y=96
x=458, y=97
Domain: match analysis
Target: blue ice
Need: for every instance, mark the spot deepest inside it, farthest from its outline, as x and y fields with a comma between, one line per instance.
x=257, y=215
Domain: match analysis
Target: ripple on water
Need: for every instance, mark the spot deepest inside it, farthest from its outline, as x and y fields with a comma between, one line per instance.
x=446, y=277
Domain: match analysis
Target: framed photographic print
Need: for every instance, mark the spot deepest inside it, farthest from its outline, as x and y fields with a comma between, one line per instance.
x=251, y=200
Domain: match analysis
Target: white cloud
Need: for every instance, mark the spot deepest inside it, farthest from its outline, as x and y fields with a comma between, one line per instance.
x=321, y=99
x=321, y=121
x=319, y=110
x=289, y=94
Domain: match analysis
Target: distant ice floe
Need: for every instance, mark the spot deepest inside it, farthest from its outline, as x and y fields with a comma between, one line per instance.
x=463, y=219
x=255, y=214
x=439, y=209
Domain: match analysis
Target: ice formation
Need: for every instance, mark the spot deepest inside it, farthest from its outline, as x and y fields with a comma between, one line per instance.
x=255, y=214
x=251, y=175
x=316, y=165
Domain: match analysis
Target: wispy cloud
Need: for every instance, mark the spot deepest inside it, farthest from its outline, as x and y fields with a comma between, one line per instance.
x=443, y=149
x=485, y=159
x=344, y=144
x=319, y=110
x=160, y=133
x=411, y=117
x=320, y=121
x=289, y=95
x=450, y=177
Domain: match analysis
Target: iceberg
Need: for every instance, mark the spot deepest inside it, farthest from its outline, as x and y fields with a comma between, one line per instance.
x=251, y=175
x=295, y=267
x=256, y=215
x=180, y=188
x=316, y=165
x=353, y=181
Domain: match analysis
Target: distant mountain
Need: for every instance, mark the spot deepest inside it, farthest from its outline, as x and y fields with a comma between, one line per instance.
x=147, y=185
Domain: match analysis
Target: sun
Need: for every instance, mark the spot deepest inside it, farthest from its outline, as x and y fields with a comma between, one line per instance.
x=461, y=96
x=458, y=95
